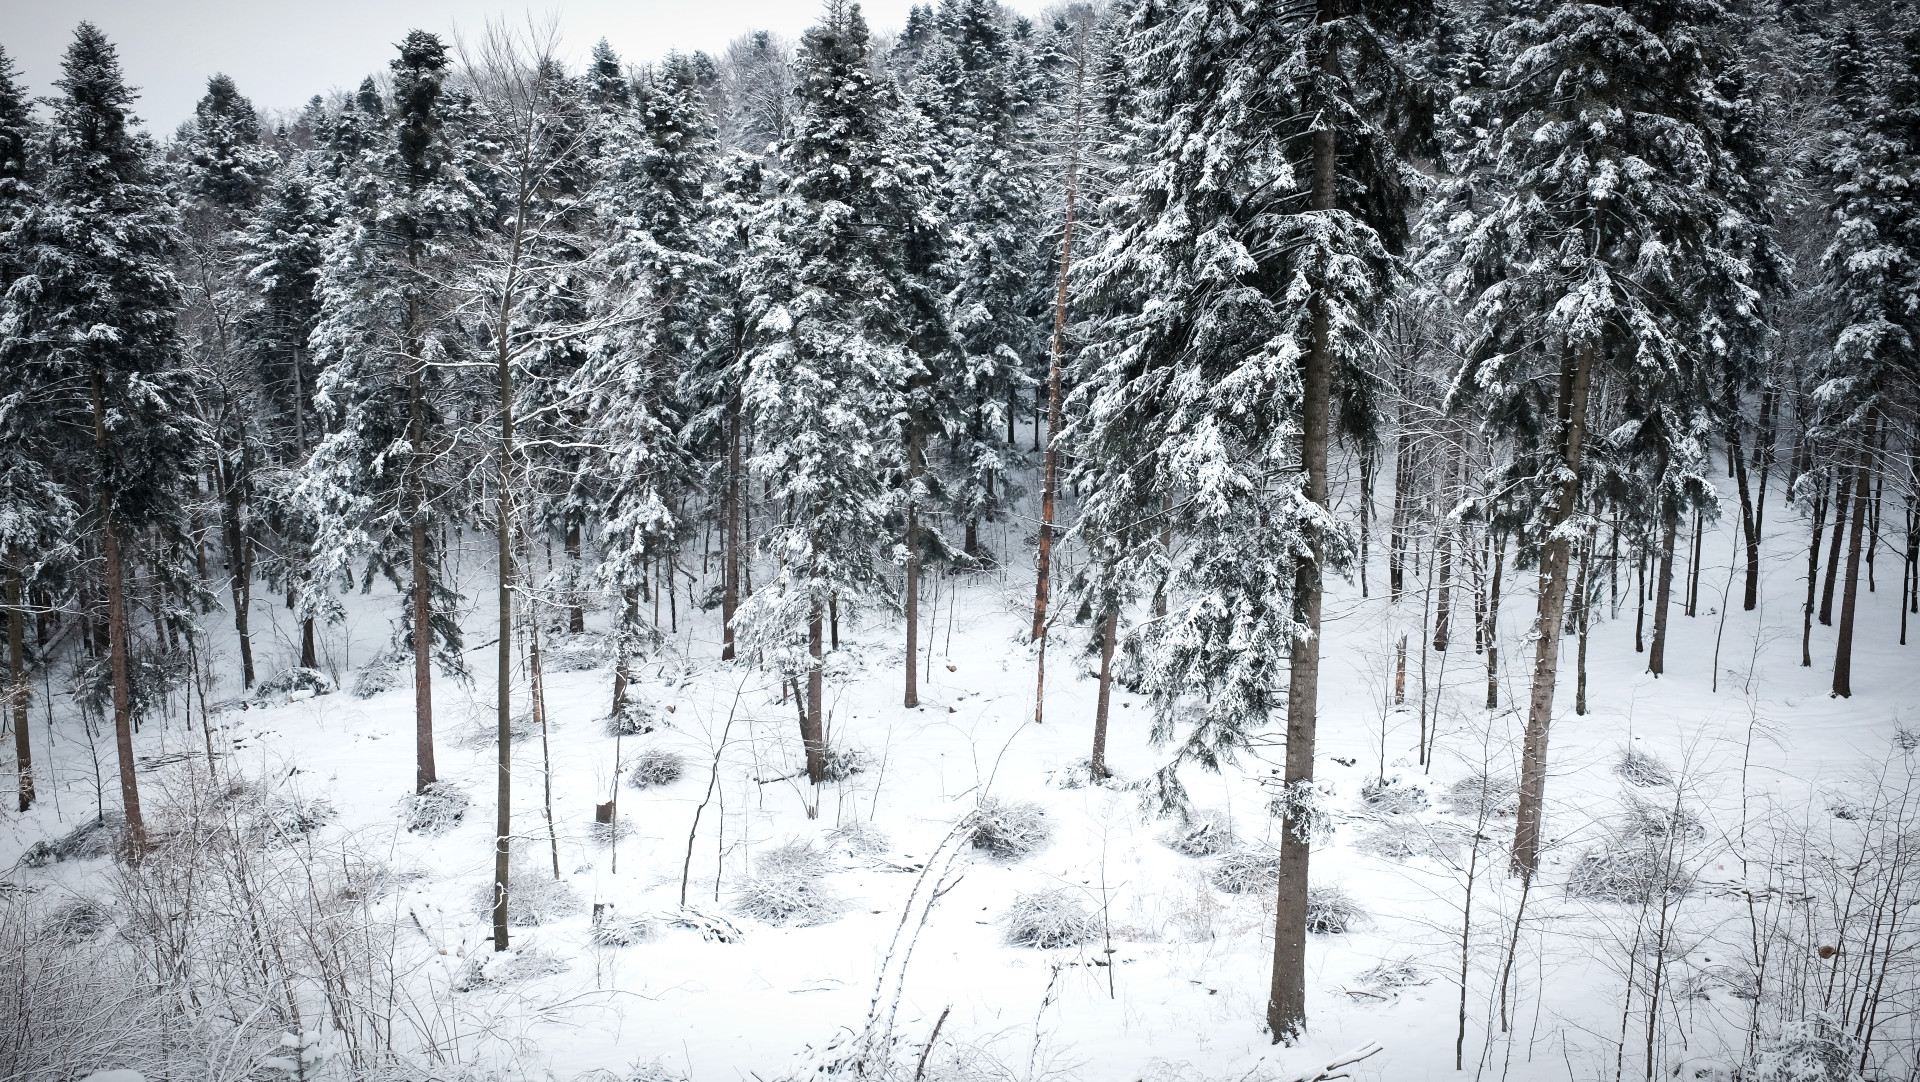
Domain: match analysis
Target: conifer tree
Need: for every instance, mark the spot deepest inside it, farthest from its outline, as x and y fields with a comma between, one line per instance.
x=92, y=320
x=373, y=484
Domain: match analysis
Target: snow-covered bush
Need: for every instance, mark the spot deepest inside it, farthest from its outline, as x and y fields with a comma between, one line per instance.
x=79, y=920
x=1392, y=796
x=1077, y=775
x=1483, y=795
x=788, y=901
x=434, y=810
x=1642, y=769
x=635, y=718
x=293, y=817
x=574, y=652
x=1384, y=981
x=1642, y=859
x=613, y=930
x=93, y=838
x=1332, y=911
x=845, y=762
x=534, y=896
x=798, y=857
x=484, y=968
x=712, y=927
x=388, y=670
x=1204, y=835
x=1250, y=869
x=1007, y=829
x=861, y=838
x=1049, y=919
x=1806, y=1052
x=1409, y=838
x=285, y=683
x=656, y=767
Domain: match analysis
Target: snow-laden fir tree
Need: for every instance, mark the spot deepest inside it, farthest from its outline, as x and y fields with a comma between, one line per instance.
x=828, y=376
x=375, y=486
x=1612, y=246
x=89, y=324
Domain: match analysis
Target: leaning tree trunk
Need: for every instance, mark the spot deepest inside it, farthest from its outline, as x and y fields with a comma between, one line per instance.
x=424, y=773
x=17, y=687
x=1862, y=493
x=117, y=642
x=1576, y=378
x=1097, y=763
x=1287, y=998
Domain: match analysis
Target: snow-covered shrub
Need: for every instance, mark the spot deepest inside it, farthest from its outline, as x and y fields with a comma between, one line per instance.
x=1250, y=869
x=845, y=762
x=435, y=810
x=1483, y=795
x=388, y=670
x=1407, y=839
x=861, y=838
x=1008, y=829
x=482, y=728
x=285, y=683
x=574, y=652
x=93, y=838
x=1392, y=796
x=798, y=857
x=534, y=896
x=1384, y=981
x=484, y=967
x=1204, y=835
x=613, y=930
x=1077, y=775
x=635, y=718
x=789, y=901
x=712, y=927
x=79, y=920
x=1332, y=911
x=1641, y=860
x=1049, y=919
x=293, y=817
x=654, y=768
x=1806, y=1052
x=1642, y=769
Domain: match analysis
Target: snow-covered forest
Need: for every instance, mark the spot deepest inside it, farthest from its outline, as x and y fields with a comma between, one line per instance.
x=1153, y=540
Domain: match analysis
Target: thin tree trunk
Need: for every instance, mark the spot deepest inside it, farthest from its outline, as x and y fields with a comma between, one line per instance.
x=1576, y=377
x=1693, y=564
x=1287, y=1000
x=1443, y=605
x=1749, y=523
x=1842, y=503
x=576, y=610
x=1493, y=620
x=1097, y=763
x=18, y=690
x=1366, y=508
x=730, y=564
x=813, y=732
x=1043, y=580
x=424, y=773
x=503, y=682
x=239, y=570
x=1813, y=578
x=1662, y=594
x=1582, y=601
x=1640, y=602
x=117, y=642
x=1862, y=494
x=914, y=469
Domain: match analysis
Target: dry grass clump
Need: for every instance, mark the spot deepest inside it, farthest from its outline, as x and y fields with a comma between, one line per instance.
x=434, y=810
x=1249, y=869
x=1049, y=919
x=1009, y=830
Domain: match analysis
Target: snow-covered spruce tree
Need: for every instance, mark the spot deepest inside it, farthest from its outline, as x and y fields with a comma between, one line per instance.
x=375, y=484
x=1869, y=383
x=36, y=516
x=91, y=320
x=828, y=375
x=1608, y=248
x=654, y=165
x=1248, y=259
x=226, y=169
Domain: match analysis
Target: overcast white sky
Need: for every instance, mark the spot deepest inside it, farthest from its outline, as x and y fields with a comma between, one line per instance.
x=282, y=53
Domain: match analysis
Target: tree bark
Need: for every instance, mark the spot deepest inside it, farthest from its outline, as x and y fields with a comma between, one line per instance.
x=18, y=690
x=1862, y=494
x=239, y=568
x=730, y=563
x=1842, y=503
x=503, y=679
x=915, y=467
x=576, y=610
x=1662, y=594
x=1749, y=522
x=424, y=773
x=1043, y=580
x=1576, y=378
x=1287, y=999
x=1097, y=763
x=117, y=634
x=1493, y=620
x=1819, y=515
x=813, y=732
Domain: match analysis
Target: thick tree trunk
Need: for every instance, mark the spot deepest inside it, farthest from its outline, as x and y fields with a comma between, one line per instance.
x=1366, y=508
x=309, y=652
x=1693, y=562
x=576, y=609
x=1842, y=504
x=730, y=563
x=1749, y=522
x=117, y=634
x=1287, y=999
x=1576, y=378
x=813, y=732
x=239, y=567
x=1862, y=494
x=18, y=690
x=424, y=773
x=1097, y=763
x=1662, y=594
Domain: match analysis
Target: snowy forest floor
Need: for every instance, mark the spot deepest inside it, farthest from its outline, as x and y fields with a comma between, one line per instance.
x=1767, y=750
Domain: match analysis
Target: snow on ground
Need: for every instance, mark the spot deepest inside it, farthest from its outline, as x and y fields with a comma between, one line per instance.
x=1184, y=994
